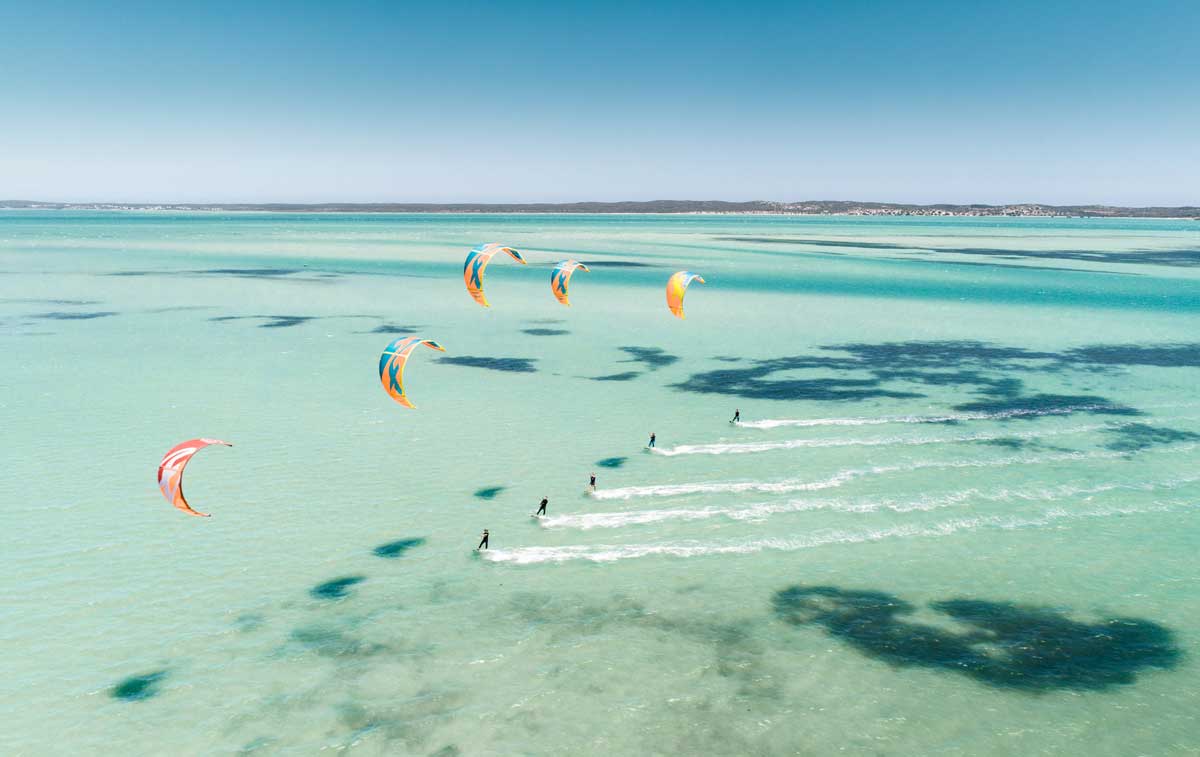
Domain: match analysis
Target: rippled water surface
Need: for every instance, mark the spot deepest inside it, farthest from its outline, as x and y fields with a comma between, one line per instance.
x=959, y=515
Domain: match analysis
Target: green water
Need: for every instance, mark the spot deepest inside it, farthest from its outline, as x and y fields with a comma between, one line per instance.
x=959, y=516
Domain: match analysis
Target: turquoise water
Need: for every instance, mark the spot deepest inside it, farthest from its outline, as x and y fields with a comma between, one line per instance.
x=959, y=515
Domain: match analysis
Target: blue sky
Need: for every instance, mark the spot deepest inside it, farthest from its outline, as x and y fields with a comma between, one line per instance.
x=556, y=101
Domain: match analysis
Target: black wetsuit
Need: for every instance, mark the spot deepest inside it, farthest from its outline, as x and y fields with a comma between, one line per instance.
x=652, y=440
x=542, y=507
x=483, y=544
x=737, y=415
x=592, y=483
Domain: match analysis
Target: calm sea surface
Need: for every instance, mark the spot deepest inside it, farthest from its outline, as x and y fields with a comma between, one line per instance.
x=960, y=515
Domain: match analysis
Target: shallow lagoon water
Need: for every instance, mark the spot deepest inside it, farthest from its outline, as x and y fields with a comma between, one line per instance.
x=959, y=516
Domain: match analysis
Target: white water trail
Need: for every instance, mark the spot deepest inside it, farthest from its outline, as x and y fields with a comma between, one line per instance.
x=760, y=511
x=603, y=553
x=741, y=448
x=768, y=423
x=841, y=477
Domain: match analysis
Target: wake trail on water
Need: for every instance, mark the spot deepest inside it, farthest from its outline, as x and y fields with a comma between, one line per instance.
x=603, y=553
x=761, y=511
x=838, y=479
x=742, y=448
x=768, y=423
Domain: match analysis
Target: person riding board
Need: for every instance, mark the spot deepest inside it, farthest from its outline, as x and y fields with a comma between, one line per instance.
x=483, y=543
x=652, y=438
x=737, y=415
x=542, y=507
x=592, y=482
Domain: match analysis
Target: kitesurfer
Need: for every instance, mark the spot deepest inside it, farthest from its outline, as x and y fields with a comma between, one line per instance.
x=592, y=482
x=737, y=415
x=652, y=438
x=541, y=508
x=483, y=543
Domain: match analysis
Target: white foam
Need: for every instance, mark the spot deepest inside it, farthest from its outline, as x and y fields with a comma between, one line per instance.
x=787, y=486
x=602, y=553
x=762, y=510
x=768, y=423
x=741, y=448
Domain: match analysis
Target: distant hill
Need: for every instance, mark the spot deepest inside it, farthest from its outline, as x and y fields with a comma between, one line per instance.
x=808, y=207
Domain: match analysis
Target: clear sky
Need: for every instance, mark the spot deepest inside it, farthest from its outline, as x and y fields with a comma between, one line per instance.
x=965, y=101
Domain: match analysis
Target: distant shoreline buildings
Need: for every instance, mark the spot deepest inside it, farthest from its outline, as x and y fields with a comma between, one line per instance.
x=689, y=207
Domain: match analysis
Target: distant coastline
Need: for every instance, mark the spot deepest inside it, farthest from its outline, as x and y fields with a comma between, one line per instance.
x=693, y=207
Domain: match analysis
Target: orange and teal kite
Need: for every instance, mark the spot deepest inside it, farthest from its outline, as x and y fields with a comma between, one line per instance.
x=391, y=365
x=477, y=260
x=677, y=287
x=170, y=472
x=561, y=278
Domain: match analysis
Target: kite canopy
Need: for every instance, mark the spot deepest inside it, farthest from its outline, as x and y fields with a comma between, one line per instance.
x=391, y=365
x=170, y=471
x=477, y=260
x=677, y=287
x=561, y=278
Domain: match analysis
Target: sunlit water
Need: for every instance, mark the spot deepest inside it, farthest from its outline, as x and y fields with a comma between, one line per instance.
x=959, y=515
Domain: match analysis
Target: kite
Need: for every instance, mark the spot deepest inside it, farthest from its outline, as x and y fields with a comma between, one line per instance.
x=561, y=278
x=391, y=365
x=676, y=287
x=170, y=472
x=477, y=260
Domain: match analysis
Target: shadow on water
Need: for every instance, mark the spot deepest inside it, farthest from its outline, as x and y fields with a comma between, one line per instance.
x=506, y=364
x=1021, y=647
x=137, y=688
x=626, y=376
x=391, y=328
x=489, y=492
x=611, y=462
x=545, y=332
x=338, y=588
x=83, y=316
x=1133, y=437
x=268, y=321
x=397, y=548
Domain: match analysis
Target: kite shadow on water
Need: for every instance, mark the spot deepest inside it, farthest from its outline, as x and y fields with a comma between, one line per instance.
x=1018, y=647
x=397, y=548
x=137, y=688
x=338, y=588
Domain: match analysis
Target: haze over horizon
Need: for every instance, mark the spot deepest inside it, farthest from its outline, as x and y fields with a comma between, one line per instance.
x=902, y=102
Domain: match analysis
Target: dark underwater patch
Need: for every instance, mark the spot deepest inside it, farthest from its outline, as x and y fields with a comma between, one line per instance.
x=506, y=364
x=338, y=588
x=397, y=548
x=1029, y=406
x=626, y=376
x=489, y=492
x=651, y=357
x=1185, y=258
x=268, y=321
x=1133, y=437
x=328, y=641
x=83, y=316
x=1007, y=442
x=391, y=328
x=1019, y=647
x=1170, y=355
x=900, y=369
x=611, y=462
x=545, y=332
x=138, y=688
